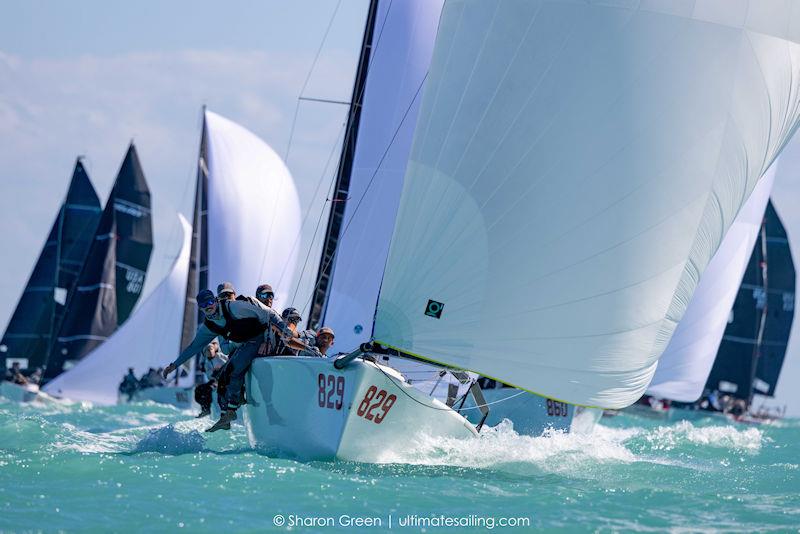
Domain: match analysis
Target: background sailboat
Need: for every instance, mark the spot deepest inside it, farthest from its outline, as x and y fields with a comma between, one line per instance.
x=36, y=319
x=753, y=348
x=113, y=275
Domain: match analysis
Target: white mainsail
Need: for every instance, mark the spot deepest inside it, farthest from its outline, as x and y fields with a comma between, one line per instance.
x=147, y=339
x=401, y=54
x=253, y=210
x=574, y=169
x=686, y=363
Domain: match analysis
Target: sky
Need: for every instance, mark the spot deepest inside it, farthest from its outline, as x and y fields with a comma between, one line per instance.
x=85, y=78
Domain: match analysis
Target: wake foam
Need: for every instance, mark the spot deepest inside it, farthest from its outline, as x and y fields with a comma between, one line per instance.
x=725, y=437
x=557, y=452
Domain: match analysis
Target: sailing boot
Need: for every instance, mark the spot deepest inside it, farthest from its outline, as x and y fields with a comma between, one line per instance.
x=204, y=412
x=224, y=422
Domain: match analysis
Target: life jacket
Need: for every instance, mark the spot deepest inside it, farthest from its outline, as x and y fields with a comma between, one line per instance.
x=238, y=330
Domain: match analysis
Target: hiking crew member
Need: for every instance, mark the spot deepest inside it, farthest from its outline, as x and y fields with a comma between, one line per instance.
x=239, y=321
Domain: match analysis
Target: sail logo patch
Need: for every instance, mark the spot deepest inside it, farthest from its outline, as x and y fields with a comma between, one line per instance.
x=434, y=309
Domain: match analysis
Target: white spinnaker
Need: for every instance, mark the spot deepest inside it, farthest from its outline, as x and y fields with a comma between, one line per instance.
x=149, y=338
x=686, y=363
x=401, y=53
x=574, y=169
x=253, y=211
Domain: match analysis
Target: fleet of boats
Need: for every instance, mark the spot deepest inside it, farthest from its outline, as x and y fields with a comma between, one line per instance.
x=546, y=196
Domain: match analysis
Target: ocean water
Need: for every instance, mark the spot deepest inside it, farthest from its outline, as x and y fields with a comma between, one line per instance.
x=73, y=467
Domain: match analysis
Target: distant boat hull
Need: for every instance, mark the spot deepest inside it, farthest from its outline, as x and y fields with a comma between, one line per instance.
x=19, y=393
x=180, y=397
x=307, y=409
x=533, y=415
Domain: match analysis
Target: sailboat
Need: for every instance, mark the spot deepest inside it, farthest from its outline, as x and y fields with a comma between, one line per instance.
x=753, y=348
x=246, y=211
x=369, y=182
x=573, y=170
x=41, y=307
x=113, y=275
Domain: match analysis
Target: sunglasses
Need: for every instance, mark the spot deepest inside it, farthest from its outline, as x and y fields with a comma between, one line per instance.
x=206, y=304
x=265, y=295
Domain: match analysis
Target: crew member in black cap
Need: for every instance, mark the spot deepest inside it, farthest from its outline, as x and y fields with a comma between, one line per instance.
x=239, y=321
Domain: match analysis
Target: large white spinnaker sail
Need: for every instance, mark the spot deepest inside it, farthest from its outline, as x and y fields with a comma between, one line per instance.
x=686, y=363
x=149, y=337
x=574, y=169
x=253, y=210
x=401, y=54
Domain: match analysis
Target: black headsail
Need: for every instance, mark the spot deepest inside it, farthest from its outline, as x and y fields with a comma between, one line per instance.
x=751, y=354
x=114, y=272
x=342, y=188
x=41, y=306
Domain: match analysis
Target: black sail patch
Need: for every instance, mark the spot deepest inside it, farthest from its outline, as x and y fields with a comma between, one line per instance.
x=434, y=309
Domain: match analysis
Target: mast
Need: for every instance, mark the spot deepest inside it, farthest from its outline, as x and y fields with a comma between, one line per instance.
x=197, y=276
x=343, y=172
x=198, y=259
x=762, y=321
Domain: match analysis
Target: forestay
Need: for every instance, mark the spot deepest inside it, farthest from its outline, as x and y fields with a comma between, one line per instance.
x=253, y=210
x=401, y=53
x=147, y=339
x=574, y=169
x=684, y=367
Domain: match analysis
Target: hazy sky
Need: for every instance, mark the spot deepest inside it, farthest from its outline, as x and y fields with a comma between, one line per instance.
x=84, y=78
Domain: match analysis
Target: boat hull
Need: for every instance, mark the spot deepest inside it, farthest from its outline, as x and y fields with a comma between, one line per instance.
x=307, y=409
x=19, y=393
x=533, y=415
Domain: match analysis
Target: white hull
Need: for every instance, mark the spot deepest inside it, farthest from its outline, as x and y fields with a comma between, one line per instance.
x=179, y=397
x=19, y=393
x=307, y=409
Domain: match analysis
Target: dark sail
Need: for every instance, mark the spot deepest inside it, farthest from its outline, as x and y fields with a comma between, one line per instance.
x=751, y=354
x=114, y=272
x=198, y=259
x=780, y=305
x=41, y=307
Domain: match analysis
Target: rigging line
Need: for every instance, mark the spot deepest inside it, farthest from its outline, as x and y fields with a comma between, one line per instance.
x=308, y=77
x=323, y=100
x=372, y=179
x=319, y=220
x=308, y=212
x=351, y=112
x=393, y=380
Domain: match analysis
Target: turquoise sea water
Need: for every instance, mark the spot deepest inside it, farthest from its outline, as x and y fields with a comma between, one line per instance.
x=146, y=467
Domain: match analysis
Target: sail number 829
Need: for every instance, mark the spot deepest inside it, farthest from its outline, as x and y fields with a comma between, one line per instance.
x=383, y=402
x=330, y=386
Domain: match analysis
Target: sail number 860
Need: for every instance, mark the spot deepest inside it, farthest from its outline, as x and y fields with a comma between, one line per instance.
x=556, y=408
